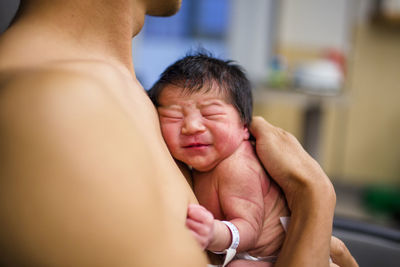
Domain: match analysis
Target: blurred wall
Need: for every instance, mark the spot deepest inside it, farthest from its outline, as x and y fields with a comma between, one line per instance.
x=315, y=23
x=372, y=131
x=252, y=32
x=359, y=133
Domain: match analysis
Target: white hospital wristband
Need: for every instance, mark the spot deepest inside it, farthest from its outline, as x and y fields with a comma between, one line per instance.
x=231, y=251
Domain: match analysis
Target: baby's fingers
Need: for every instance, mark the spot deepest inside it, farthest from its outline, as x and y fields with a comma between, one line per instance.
x=203, y=233
x=200, y=214
x=201, y=223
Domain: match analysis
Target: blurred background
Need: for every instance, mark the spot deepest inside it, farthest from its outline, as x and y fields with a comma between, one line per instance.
x=326, y=71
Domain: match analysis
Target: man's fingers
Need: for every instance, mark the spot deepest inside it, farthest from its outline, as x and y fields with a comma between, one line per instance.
x=340, y=254
x=259, y=125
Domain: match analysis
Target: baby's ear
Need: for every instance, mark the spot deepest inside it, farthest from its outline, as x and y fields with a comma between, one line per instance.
x=246, y=132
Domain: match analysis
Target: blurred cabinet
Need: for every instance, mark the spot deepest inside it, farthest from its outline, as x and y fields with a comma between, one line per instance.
x=386, y=12
x=308, y=113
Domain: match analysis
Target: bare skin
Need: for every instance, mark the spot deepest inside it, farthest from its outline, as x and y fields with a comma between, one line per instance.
x=85, y=180
x=248, y=198
x=204, y=130
x=340, y=255
x=77, y=161
x=309, y=193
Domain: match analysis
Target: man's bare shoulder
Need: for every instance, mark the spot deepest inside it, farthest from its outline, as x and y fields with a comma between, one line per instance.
x=48, y=108
x=71, y=151
x=43, y=81
x=42, y=92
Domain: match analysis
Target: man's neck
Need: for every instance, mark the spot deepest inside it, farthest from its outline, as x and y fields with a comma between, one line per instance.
x=51, y=31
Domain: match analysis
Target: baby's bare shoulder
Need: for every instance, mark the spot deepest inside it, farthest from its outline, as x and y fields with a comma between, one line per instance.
x=242, y=163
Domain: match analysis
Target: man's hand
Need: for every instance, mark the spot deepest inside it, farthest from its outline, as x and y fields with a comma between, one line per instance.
x=201, y=223
x=308, y=190
x=340, y=255
x=296, y=172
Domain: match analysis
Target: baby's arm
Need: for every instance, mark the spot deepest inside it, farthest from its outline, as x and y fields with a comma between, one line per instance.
x=241, y=200
x=206, y=229
x=215, y=235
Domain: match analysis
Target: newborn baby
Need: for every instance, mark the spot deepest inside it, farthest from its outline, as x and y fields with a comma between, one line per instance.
x=205, y=109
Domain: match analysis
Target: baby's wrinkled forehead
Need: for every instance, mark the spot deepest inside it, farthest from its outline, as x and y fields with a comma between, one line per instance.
x=185, y=89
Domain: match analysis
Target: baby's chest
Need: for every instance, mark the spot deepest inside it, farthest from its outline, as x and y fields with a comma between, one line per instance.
x=207, y=195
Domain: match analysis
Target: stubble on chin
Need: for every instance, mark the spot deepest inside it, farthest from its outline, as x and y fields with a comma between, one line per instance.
x=163, y=8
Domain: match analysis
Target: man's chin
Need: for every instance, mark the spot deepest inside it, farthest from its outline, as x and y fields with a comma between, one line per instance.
x=165, y=9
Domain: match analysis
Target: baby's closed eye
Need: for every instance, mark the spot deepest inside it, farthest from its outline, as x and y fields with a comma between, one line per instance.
x=170, y=119
x=170, y=115
x=213, y=116
x=212, y=113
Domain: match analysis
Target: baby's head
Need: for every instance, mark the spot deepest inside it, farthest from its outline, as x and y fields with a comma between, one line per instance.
x=205, y=108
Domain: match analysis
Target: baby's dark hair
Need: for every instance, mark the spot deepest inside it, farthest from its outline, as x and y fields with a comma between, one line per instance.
x=199, y=72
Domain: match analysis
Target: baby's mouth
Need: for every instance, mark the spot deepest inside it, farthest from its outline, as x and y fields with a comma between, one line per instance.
x=196, y=145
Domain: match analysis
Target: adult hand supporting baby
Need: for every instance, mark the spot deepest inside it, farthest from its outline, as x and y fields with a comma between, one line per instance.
x=340, y=255
x=309, y=192
x=290, y=165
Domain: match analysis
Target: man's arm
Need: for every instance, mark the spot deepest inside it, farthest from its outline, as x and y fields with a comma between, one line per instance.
x=310, y=195
x=77, y=184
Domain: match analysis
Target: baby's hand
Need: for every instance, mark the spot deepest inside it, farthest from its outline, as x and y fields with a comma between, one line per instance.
x=201, y=223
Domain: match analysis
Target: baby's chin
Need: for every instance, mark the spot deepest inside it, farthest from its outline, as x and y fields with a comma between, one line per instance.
x=201, y=167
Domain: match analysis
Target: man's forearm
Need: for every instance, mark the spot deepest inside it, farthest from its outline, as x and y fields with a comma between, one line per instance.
x=308, y=239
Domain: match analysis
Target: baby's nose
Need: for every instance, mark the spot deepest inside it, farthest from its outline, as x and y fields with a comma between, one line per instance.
x=193, y=125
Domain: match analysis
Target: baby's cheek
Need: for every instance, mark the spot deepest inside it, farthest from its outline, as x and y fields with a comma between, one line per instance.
x=229, y=143
x=169, y=135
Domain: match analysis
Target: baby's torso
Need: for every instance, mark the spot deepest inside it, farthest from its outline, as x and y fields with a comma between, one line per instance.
x=206, y=184
x=207, y=187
